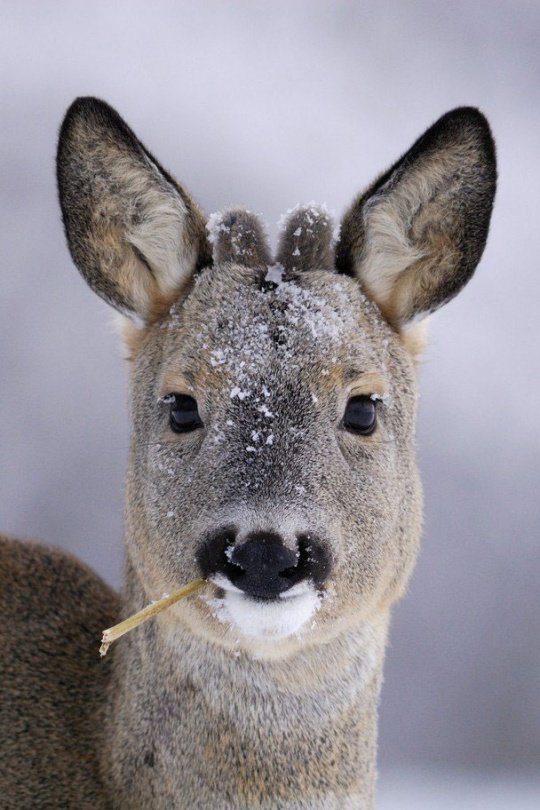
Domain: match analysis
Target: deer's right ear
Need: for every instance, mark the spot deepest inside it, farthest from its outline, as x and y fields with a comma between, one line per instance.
x=415, y=237
x=133, y=232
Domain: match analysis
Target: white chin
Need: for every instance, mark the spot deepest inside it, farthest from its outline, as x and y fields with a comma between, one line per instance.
x=276, y=618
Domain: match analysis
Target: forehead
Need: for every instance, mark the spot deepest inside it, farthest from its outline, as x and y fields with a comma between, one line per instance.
x=245, y=322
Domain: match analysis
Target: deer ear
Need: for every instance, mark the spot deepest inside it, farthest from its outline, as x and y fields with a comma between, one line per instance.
x=414, y=238
x=133, y=232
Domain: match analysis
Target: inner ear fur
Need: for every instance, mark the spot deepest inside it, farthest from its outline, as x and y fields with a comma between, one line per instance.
x=414, y=238
x=134, y=233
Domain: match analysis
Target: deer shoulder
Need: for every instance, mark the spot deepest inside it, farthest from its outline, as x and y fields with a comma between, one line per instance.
x=52, y=610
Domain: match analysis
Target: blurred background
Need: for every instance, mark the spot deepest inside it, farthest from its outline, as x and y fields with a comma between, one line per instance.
x=267, y=104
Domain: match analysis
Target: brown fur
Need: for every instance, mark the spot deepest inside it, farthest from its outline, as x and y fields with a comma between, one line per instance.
x=239, y=238
x=51, y=682
x=196, y=709
x=134, y=232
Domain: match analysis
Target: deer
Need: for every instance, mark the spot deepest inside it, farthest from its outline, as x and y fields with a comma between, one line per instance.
x=273, y=400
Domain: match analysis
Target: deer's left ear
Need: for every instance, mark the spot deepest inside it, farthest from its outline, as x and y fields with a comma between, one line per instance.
x=414, y=238
x=135, y=234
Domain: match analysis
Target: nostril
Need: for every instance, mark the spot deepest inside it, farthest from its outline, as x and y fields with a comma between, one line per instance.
x=215, y=552
x=314, y=561
x=303, y=567
x=294, y=572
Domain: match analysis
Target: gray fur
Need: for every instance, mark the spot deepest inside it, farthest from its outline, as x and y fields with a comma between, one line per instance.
x=189, y=711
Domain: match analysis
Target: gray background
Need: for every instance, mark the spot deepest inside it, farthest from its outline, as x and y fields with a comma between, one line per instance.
x=267, y=104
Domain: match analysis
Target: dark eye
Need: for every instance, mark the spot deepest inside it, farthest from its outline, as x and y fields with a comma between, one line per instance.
x=184, y=413
x=360, y=415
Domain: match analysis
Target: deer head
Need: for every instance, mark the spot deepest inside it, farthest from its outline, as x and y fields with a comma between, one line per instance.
x=274, y=400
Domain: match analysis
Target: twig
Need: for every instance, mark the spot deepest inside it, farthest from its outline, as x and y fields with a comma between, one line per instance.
x=112, y=633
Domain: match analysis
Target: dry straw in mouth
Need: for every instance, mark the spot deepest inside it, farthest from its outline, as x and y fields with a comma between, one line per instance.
x=112, y=633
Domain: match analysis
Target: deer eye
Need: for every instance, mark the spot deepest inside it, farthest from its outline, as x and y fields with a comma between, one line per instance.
x=183, y=414
x=360, y=415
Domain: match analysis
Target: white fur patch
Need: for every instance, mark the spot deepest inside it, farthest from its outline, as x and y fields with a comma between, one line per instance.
x=273, y=619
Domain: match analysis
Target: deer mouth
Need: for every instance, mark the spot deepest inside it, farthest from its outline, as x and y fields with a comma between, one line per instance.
x=287, y=614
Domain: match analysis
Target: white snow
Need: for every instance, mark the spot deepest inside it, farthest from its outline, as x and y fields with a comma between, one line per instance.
x=217, y=357
x=312, y=213
x=238, y=392
x=168, y=399
x=275, y=274
x=265, y=411
x=215, y=227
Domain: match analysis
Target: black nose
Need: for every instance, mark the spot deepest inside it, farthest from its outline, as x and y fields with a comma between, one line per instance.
x=263, y=566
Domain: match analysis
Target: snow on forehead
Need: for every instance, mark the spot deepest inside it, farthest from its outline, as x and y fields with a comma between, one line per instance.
x=289, y=322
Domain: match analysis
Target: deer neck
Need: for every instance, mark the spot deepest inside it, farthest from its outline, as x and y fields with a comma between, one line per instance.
x=190, y=724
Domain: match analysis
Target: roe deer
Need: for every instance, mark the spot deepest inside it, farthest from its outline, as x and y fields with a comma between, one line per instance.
x=273, y=453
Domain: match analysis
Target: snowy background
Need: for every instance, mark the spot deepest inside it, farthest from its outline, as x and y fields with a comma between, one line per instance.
x=267, y=104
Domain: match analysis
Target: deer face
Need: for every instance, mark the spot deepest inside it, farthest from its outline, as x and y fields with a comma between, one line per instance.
x=273, y=448
x=273, y=401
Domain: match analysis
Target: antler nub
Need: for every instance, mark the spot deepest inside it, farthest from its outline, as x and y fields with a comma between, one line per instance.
x=238, y=236
x=307, y=239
